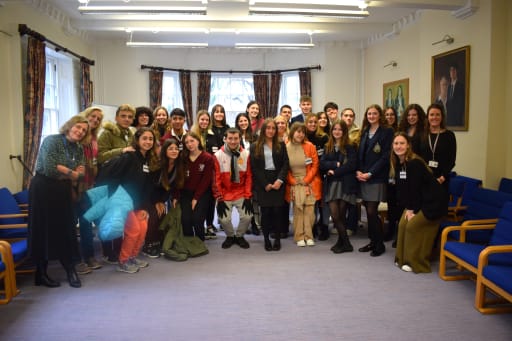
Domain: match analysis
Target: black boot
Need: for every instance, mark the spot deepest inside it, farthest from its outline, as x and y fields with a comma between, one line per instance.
x=73, y=279
x=41, y=277
x=338, y=243
x=344, y=245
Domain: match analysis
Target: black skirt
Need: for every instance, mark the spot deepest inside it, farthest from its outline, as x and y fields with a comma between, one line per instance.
x=52, y=222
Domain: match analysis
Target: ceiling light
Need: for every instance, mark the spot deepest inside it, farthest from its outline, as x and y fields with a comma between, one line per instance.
x=197, y=10
x=176, y=45
x=313, y=12
x=167, y=29
x=354, y=3
x=273, y=45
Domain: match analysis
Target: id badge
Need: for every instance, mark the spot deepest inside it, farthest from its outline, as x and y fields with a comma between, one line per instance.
x=403, y=175
x=309, y=161
x=94, y=161
x=145, y=168
x=433, y=164
x=320, y=152
x=215, y=149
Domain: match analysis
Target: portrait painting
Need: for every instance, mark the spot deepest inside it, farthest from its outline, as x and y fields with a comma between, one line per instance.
x=396, y=94
x=450, y=86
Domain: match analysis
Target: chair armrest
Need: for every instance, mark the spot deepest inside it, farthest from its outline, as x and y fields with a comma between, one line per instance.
x=483, y=258
x=14, y=215
x=480, y=222
x=463, y=229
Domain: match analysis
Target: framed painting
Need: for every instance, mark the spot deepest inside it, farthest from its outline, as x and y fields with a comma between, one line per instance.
x=450, y=86
x=396, y=94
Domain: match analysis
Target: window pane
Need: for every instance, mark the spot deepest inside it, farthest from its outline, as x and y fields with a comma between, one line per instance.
x=233, y=91
x=290, y=91
x=171, y=91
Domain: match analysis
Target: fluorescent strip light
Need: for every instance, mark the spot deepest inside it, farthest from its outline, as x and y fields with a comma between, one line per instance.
x=177, y=45
x=313, y=12
x=198, y=10
x=272, y=45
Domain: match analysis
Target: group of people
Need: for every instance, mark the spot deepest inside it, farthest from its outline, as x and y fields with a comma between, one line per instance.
x=321, y=164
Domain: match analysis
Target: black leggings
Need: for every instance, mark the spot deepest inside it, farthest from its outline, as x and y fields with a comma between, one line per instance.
x=374, y=224
x=193, y=219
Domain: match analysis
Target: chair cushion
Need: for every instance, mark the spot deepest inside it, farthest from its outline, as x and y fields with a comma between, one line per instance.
x=2, y=266
x=465, y=251
x=19, y=250
x=500, y=275
x=22, y=232
x=21, y=197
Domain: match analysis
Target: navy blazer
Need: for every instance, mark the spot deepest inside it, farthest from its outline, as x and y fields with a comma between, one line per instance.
x=373, y=156
x=298, y=118
x=346, y=173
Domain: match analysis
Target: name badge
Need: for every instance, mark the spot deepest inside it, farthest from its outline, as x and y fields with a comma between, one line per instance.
x=215, y=149
x=320, y=152
x=180, y=147
x=403, y=175
x=433, y=164
x=309, y=161
x=94, y=161
x=145, y=168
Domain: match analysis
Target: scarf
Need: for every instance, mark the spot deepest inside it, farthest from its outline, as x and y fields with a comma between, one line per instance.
x=234, y=154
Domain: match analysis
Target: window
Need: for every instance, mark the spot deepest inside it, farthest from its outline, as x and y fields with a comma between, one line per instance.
x=233, y=92
x=290, y=91
x=61, y=92
x=171, y=91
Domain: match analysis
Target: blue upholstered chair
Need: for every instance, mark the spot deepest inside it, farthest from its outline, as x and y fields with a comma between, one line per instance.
x=13, y=221
x=505, y=185
x=483, y=207
x=460, y=190
x=466, y=255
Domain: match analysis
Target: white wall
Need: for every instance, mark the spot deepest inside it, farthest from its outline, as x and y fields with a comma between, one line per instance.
x=413, y=50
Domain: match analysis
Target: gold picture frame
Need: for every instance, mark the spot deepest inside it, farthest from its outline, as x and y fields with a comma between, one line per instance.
x=396, y=94
x=447, y=68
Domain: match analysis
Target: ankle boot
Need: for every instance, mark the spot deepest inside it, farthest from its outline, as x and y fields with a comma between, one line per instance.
x=338, y=243
x=73, y=279
x=41, y=276
x=344, y=245
x=268, y=244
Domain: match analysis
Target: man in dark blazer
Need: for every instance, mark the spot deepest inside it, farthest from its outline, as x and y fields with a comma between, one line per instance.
x=455, y=104
x=305, y=107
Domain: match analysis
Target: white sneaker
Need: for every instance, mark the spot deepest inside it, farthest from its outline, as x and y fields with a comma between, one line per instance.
x=301, y=243
x=310, y=242
x=406, y=268
x=397, y=265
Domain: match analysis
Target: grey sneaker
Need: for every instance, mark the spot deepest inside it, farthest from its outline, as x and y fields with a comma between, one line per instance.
x=139, y=263
x=93, y=263
x=127, y=267
x=82, y=269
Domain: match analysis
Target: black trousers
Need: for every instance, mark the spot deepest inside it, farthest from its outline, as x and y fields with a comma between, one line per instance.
x=192, y=220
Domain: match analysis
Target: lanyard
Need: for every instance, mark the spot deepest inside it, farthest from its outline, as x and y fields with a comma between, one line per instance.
x=433, y=149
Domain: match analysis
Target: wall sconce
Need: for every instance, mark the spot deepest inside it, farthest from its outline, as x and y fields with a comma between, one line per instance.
x=447, y=38
x=391, y=63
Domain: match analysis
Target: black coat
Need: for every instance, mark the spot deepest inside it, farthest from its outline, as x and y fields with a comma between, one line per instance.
x=262, y=177
x=346, y=173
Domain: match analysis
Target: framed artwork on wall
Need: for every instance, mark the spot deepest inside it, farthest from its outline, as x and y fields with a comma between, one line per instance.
x=396, y=94
x=450, y=86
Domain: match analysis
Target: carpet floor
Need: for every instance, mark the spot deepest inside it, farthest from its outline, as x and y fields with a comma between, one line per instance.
x=294, y=294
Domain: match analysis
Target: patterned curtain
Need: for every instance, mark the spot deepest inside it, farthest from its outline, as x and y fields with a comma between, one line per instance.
x=261, y=93
x=204, y=81
x=275, y=88
x=186, y=96
x=155, y=88
x=34, y=104
x=305, y=82
x=85, y=86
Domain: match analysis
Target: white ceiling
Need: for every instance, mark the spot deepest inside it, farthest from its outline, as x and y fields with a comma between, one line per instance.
x=224, y=17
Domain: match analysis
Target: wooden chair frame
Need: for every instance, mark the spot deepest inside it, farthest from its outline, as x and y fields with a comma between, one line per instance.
x=8, y=275
x=482, y=303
